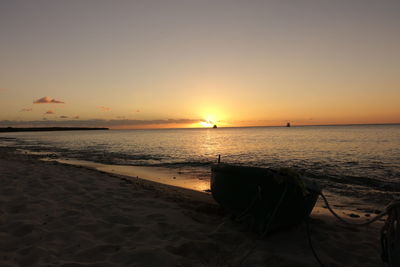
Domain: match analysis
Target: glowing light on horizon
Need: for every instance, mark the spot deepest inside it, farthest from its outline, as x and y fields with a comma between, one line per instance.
x=209, y=121
x=206, y=124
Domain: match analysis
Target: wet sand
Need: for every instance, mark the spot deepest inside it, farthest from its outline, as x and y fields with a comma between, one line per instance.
x=156, y=174
x=53, y=214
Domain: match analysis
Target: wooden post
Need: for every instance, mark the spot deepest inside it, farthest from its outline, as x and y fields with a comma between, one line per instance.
x=219, y=158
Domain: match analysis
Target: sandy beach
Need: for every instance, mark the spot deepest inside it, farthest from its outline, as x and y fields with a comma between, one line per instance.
x=53, y=214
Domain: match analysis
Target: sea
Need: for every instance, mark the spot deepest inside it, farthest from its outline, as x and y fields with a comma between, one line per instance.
x=361, y=161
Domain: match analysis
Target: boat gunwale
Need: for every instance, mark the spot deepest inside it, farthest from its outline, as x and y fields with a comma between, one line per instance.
x=309, y=183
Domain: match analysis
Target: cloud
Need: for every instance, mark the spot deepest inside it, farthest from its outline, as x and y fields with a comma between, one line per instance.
x=100, y=123
x=138, y=110
x=75, y=117
x=49, y=112
x=103, y=108
x=63, y=117
x=47, y=100
x=26, y=109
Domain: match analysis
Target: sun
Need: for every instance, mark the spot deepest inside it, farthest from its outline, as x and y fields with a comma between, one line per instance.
x=209, y=121
x=206, y=124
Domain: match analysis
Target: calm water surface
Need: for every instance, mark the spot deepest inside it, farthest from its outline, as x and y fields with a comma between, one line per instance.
x=349, y=160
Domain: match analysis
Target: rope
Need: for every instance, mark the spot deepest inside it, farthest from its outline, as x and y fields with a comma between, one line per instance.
x=246, y=211
x=390, y=235
x=224, y=220
x=249, y=251
x=275, y=211
x=390, y=232
x=310, y=242
x=241, y=217
x=351, y=223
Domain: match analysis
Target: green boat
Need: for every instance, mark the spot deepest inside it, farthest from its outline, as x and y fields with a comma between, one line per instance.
x=265, y=199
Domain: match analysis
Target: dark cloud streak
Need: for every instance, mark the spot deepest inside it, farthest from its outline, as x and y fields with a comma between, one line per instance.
x=97, y=122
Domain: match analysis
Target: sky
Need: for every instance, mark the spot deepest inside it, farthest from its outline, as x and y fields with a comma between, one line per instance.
x=168, y=63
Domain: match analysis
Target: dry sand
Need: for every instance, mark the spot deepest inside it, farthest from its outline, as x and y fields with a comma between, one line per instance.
x=52, y=214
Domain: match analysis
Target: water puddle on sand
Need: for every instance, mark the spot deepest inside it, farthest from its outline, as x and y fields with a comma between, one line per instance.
x=155, y=174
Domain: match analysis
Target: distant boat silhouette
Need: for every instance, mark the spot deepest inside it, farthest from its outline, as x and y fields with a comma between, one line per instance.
x=288, y=124
x=215, y=126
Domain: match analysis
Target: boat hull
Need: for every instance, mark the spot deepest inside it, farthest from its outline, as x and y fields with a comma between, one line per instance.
x=263, y=198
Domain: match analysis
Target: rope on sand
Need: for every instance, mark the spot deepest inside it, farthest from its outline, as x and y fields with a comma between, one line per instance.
x=270, y=218
x=310, y=242
x=351, y=223
x=390, y=235
x=390, y=232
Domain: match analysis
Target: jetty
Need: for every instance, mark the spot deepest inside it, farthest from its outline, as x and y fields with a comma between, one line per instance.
x=48, y=129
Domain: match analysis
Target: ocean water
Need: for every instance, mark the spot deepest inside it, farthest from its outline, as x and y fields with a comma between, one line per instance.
x=361, y=161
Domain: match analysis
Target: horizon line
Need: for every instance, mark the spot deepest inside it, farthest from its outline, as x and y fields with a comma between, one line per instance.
x=261, y=126
x=220, y=127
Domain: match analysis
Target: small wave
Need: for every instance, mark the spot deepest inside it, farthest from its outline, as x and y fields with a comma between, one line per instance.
x=185, y=164
x=7, y=138
x=366, y=182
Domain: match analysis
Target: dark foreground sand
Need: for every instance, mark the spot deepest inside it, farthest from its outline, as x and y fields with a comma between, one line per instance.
x=58, y=215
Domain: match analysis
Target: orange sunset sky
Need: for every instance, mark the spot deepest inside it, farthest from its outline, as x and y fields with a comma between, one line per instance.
x=135, y=64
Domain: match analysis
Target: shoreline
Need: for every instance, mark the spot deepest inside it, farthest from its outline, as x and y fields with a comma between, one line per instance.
x=55, y=214
x=156, y=174
x=353, y=175
x=177, y=179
